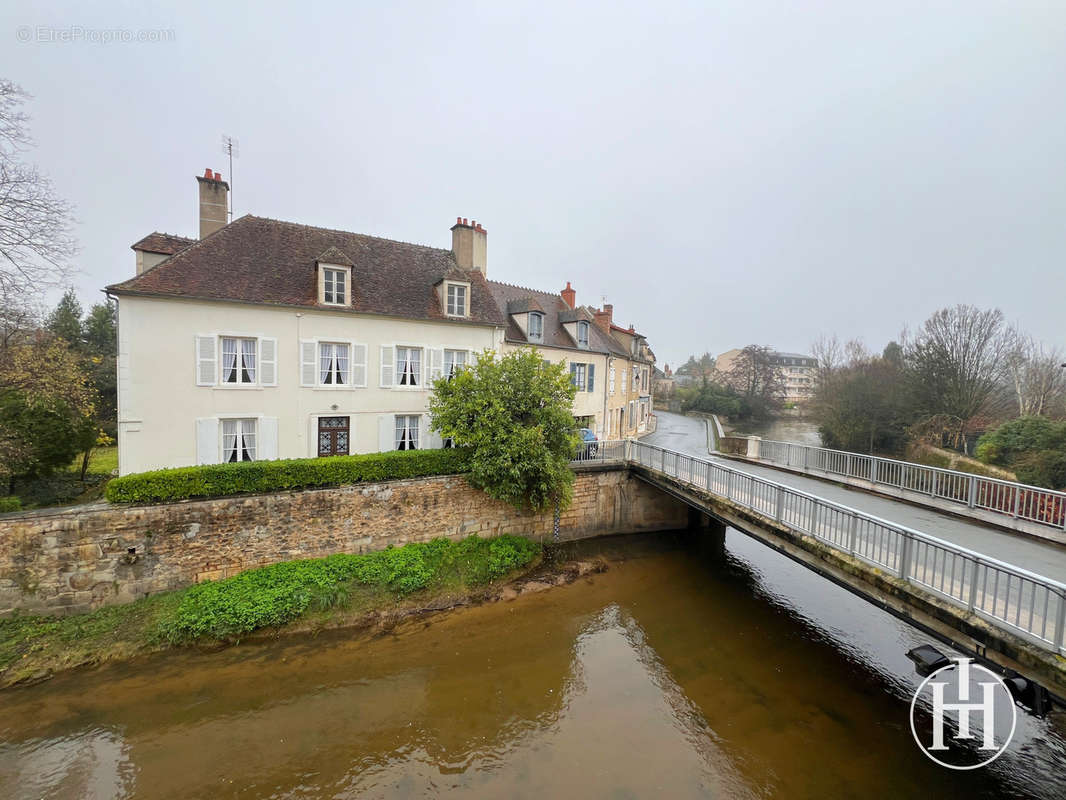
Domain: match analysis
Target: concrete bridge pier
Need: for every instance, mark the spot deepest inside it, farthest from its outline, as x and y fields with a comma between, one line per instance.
x=711, y=530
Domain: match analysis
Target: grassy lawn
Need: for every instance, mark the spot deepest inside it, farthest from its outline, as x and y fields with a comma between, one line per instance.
x=65, y=487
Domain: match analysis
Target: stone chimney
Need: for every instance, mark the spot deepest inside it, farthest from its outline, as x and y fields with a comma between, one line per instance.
x=604, y=317
x=214, y=205
x=469, y=244
x=569, y=295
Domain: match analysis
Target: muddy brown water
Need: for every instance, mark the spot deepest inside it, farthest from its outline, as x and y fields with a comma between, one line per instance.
x=684, y=670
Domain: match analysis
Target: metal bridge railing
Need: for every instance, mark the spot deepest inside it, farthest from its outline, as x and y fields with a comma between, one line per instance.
x=1020, y=501
x=600, y=451
x=1005, y=595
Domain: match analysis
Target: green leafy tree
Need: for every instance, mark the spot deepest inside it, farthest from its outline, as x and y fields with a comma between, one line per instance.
x=710, y=398
x=1019, y=438
x=100, y=330
x=864, y=406
x=65, y=320
x=514, y=412
x=47, y=405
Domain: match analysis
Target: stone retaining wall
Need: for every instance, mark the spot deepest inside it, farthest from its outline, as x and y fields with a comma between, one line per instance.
x=73, y=560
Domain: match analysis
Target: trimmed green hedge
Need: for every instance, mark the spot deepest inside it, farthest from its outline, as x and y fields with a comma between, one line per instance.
x=219, y=480
x=10, y=503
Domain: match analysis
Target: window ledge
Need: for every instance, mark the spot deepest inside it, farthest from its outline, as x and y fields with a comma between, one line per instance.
x=238, y=387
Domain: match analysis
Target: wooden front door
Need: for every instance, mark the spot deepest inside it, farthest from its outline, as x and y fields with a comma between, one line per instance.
x=333, y=436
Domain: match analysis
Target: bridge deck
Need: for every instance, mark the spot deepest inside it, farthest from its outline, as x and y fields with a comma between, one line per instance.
x=688, y=435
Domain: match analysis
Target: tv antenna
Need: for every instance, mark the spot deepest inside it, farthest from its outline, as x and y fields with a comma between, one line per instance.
x=232, y=148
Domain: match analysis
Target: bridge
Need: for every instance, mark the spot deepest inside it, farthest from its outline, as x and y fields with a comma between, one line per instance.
x=981, y=604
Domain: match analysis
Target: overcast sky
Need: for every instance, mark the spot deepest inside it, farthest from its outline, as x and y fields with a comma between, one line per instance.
x=723, y=172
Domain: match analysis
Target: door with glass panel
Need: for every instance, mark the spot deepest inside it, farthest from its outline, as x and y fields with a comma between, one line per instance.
x=333, y=433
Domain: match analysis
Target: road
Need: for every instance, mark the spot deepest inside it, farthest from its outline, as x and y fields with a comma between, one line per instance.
x=689, y=435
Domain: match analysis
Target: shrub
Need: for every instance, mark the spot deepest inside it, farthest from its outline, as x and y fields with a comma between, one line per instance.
x=280, y=593
x=1046, y=468
x=515, y=414
x=219, y=480
x=1020, y=437
x=10, y=503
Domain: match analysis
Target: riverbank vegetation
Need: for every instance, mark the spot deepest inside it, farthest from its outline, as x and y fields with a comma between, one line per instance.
x=343, y=589
x=964, y=381
x=751, y=389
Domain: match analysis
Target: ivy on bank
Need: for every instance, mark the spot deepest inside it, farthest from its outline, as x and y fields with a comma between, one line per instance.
x=220, y=480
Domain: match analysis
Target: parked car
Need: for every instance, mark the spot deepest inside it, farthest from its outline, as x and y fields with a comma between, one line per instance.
x=589, y=443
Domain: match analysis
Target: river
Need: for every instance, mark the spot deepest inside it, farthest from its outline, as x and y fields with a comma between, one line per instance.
x=780, y=429
x=684, y=670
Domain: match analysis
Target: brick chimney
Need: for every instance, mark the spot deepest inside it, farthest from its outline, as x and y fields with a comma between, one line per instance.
x=569, y=295
x=214, y=205
x=603, y=317
x=469, y=245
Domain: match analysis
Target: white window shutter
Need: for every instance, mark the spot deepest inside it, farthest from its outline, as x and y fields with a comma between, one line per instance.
x=206, y=360
x=358, y=365
x=268, y=439
x=387, y=368
x=386, y=432
x=268, y=361
x=207, y=442
x=438, y=364
x=431, y=440
x=308, y=363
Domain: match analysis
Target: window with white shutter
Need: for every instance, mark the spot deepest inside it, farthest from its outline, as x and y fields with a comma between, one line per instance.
x=454, y=362
x=268, y=361
x=387, y=367
x=207, y=451
x=408, y=366
x=359, y=365
x=308, y=363
x=239, y=440
x=436, y=364
x=206, y=360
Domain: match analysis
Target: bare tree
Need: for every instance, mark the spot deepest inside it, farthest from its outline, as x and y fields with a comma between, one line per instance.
x=828, y=352
x=1035, y=373
x=956, y=361
x=757, y=380
x=35, y=238
x=19, y=319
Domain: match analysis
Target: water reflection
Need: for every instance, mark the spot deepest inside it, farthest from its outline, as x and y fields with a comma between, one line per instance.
x=685, y=670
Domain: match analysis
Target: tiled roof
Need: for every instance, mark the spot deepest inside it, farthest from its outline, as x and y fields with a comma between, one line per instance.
x=554, y=308
x=265, y=261
x=523, y=305
x=164, y=243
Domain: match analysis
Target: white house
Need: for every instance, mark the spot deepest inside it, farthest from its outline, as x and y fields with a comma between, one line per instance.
x=267, y=339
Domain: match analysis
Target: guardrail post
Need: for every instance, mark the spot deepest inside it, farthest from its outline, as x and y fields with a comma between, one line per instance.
x=875, y=470
x=806, y=452
x=780, y=505
x=1060, y=622
x=973, y=587
x=972, y=498
x=936, y=476
x=1017, y=500
x=904, y=555
x=729, y=485
x=847, y=466
x=853, y=533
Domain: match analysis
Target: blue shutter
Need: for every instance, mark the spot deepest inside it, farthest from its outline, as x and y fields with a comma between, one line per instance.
x=592, y=377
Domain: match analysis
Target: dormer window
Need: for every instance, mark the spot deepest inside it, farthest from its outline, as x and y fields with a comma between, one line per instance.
x=335, y=286
x=583, y=335
x=456, y=300
x=455, y=296
x=536, y=327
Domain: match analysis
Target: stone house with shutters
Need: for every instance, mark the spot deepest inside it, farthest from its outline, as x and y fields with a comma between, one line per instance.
x=265, y=339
